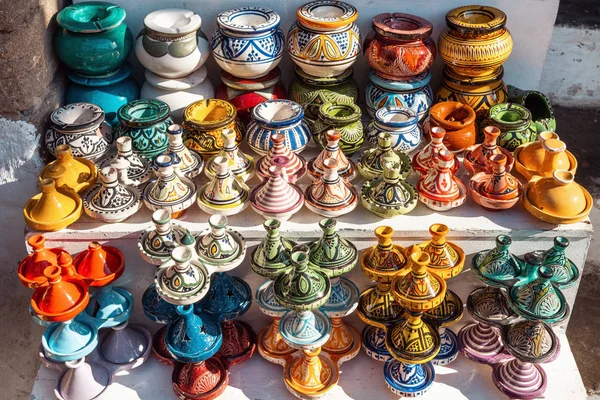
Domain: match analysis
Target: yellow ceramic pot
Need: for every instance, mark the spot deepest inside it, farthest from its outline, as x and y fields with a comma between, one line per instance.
x=475, y=43
x=479, y=93
x=557, y=199
x=543, y=157
x=204, y=122
x=78, y=173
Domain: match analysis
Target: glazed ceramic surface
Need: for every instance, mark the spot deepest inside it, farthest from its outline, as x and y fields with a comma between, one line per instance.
x=345, y=118
x=60, y=299
x=204, y=122
x=92, y=40
x=277, y=116
x=536, y=159
x=225, y=193
x=446, y=259
x=248, y=42
x=401, y=123
x=82, y=127
x=538, y=105
x=515, y=124
x=146, y=123
x=99, y=265
x=458, y=120
x=331, y=253
x=139, y=168
x=188, y=162
x=475, y=42
x=400, y=46
x=324, y=41
x=220, y=246
x=294, y=165
x=475, y=157
x=412, y=340
x=109, y=93
x=411, y=92
x=276, y=198
x=31, y=269
x=331, y=195
x=171, y=44
x=273, y=255
x=178, y=93
x=345, y=166
x=440, y=190
x=370, y=163
x=182, y=280
x=497, y=266
x=498, y=190
x=156, y=243
x=54, y=208
x=240, y=164
x=77, y=173
x=426, y=159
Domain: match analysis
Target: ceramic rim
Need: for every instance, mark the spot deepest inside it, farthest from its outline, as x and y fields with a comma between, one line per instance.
x=292, y=113
x=144, y=112
x=402, y=85
x=92, y=17
x=333, y=14
x=264, y=82
x=402, y=26
x=61, y=121
x=228, y=116
x=264, y=19
x=353, y=116
x=492, y=19
x=497, y=111
x=384, y=117
x=451, y=76
x=98, y=81
x=173, y=21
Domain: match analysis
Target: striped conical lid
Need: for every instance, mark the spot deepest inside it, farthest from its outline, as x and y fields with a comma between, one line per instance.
x=296, y=167
x=276, y=194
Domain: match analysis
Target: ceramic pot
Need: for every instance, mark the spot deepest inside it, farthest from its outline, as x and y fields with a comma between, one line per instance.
x=480, y=92
x=240, y=164
x=182, y=280
x=244, y=94
x=475, y=157
x=331, y=195
x=276, y=198
x=188, y=163
x=312, y=91
x=100, y=265
x=475, y=43
x=60, y=299
x=92, y=40
x=344, y=118
x=178, y=93
x=277, y=116
x=77, y=173
x=139, y=170
x=426, y=159
x=515, y=124
x=556, y=158
x=411, y=92
x=112, y=200
x=222, y=248
x=440, y=190
x=204, y=122
x=370, y=163
x=557, y=199
x=497, y=190
x=458, y=120
x=225, y=194
x=538, y=105
x=542, y=160
x=248, y=42
x=324, y=41
x=109, y=93
x=400, y=46
x=156, y=243
x=31, y=269
x=401, y=123
x=145, y=122
x=82, y=127
x=295, y=164
x=345, y=166
x=497, y=266
x=171, y=44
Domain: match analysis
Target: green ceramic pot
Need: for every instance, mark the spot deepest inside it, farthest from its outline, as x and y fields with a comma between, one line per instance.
x=94, y=40
x=344, y=118
x=145, y=121
x=515, y=124
x=538, y=105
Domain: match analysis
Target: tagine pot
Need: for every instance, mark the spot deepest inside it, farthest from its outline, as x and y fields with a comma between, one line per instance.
x=344, y=118
x=370, y=164
x=475, y=42
x=410, y=92
x=401, y=123
x=178, y=93
x=77, y=173
x=60, y=299
x=426, y=159
x=495, y=190
x=554, y=156
x=497, y=266
x=557, y=199
x=109, y=93
x=156, y=243
x=204, y=122
x=538, y=105
x=31, y=269
x=480, y=93
x=171, y=44
x=331, y=195
x=139, y=170
x=241, y=165
x=564, y=271
x=312, y=91
x=55, y=208
x=99, y=265
x=346, y=168
x=275, y=197
x=225, y=193
x=475, y=157
x=189, y=163
x=459, y=122
x=182, y=280
x=515, y=124
x=82, y=127
x=295, y=166
x=244, y=94
x=92, y=39
x=277, y=116
x=145, y=122
x=400, y=46
x=324, y=41
x=248, y=42
x=440, y=190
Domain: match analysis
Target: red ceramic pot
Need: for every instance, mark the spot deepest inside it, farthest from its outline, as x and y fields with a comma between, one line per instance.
x=61, y=299
x=100, y=265
x=459, y=122
x=31, y=269
x=400, y=46
x=244, y=94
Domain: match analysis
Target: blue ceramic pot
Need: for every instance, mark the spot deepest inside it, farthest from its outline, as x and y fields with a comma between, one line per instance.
x=414, y=93
x=94, y=40
x=70, y=340
x=277, y=116
x=192, y=338
x=110, y=92
x=408, y=380
x=401, y=123
x=248, y=42
x=110, y=306
x=228, y=297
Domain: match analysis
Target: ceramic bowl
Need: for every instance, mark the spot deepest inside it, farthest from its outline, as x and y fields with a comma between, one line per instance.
x=458, y=120
x=414, y=93
x=401, y=123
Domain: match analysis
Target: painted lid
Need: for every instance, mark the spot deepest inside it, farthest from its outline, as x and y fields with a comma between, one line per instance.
x=416, y=288
x=249, y=20
x=61, y=299
x=519, y=336
x=277, y=113
x=276, y=194
x=187, y=82
x=90, y=17
x=448, y=312
x=401, y=85
x=77, y=117
x=111, y=305
x=220, y=244
x=182, y=280
x=173, y=21
x=497, y=265
x=120, y=75
x=209, y=114
x=446, y=258
x=273, y=255
x=100, y=265
x=476, y=19
x=143, y=112
x=412, y=340
x=31, y=269
x=228, y=297
x=396, y=117
x=402, y=26
x=326, y=14
x=331, y=253
x=264, y=82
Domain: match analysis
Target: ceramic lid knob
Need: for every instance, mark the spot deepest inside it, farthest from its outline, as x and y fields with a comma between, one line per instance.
x=278, y=139
x=108, y=175
x=545, y=135
x=63, y=152
x=124, y=146
x=217, y=223
x=331, y=172
x=162, y=221
x=438, y=233
x=65, y=262
x=333, y=137
x=228, y=135
x=554, y=145
x=490, y=134
x=503, y=242
x=437, y=134
x=445, y=159
x=164, y=163
x=497, y=163
x=57, y=173
x=384, y=140
x=391, y=169
x=221, y=166
x=384, y=236
x=561, y=243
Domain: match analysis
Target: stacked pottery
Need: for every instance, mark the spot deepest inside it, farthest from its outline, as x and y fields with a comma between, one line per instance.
x=515, y=125
x=426, y=159
x=522, y=303
x=402, y=125
x=346, y=168
x=400, y=53
x=371, y=162
x=276, y=197
x=156, y=242
x=280, y=154
x=87, y=338
x=540, y=159
x=475, y=157
x=173, y=50
x=189, y=162
x=225, y=193
x=344, y=118
x=474, y=46
x=497, y=189
x=93, y=41
x=248, y=45
x=240, y=164
x=139, y=170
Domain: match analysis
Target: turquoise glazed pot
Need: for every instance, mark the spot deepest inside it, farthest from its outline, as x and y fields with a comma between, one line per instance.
x=145, y=121
x=414, y=93
x=94, y=40
x=110, y=93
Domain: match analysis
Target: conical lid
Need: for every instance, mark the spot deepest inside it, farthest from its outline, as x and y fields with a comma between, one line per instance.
x=190, y=162
x=330, y=194
x=168, y=188
x=123, y=345
x=69, y=340
x=385, y=258
x=112, y=198
x=296, y=167
x=303, y=288
x=224, y=190
x=446, y=259
x=426, y=159
x=497, y=266
x=440, y=183
x=371, y=163
x=83, y=380
x=388, y=194
x=53, y=205
x=564, y=271
x=228, y=297
x=239, y=163
x=448, y=312
x=139, y=170
x=345, y=167
x=273, y=255
x=411, y=340
x=110, y=305
x=100, y=265
x=60, y=300
x=276, y=195
x=220, y=245
x=305, y=330
x=31, y=269
x=79, y=174
x=530, y=341
x=181, y=280
x=418, y=289
x=331, y=253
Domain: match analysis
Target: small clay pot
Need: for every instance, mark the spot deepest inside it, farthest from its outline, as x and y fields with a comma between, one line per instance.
x=459, y=122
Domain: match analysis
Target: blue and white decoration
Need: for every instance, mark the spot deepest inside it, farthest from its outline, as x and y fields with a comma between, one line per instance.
x=401, y=123
x=408, y=380
x=414, y=93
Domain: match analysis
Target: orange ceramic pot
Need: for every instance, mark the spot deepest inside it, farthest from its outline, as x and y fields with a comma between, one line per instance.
x=61, y=299
x=100, y=265
x=495, y=190
x=557, y=199
x=556, y=157
x=459, y=122
x=31, y=269
x=475, y=158
x=529, y=157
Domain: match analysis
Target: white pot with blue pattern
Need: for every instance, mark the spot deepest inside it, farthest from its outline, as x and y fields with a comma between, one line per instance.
x=400, y=122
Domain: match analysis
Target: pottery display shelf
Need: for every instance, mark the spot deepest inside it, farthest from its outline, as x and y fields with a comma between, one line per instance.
x=471, y=228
